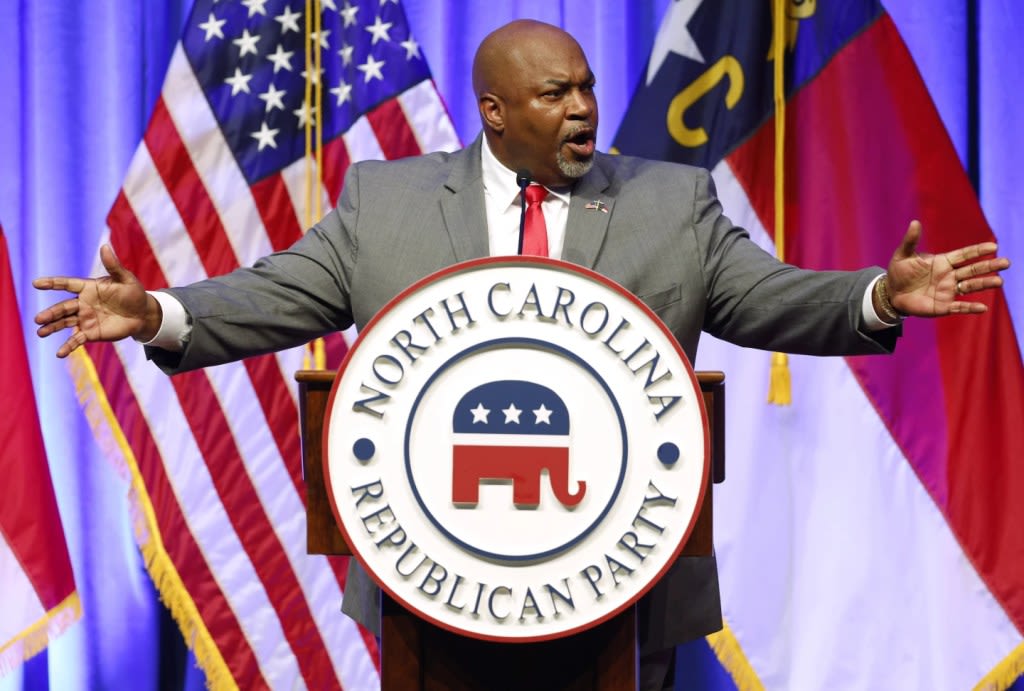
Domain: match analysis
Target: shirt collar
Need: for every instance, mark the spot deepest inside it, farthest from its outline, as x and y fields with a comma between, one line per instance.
x=500, y=181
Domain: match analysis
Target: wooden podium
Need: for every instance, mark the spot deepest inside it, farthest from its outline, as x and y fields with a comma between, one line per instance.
x=416, y=655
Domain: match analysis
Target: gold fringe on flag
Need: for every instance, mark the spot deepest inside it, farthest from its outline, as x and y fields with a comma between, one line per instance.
x=729, y=653
x=731, y=656
x=37, y=636
x=779, y=384
x=111, y=439
x=1005, y=673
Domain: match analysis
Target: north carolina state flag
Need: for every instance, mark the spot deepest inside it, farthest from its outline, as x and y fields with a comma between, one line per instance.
x=37, y=588
x=872, y=534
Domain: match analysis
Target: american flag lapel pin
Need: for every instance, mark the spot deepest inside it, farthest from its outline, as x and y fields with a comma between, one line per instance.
x=597, y=205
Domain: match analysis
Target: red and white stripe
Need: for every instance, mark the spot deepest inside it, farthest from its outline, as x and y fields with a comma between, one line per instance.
x=217, y=451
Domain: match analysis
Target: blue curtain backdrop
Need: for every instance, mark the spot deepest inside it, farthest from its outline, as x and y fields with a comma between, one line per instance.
x=76, y=86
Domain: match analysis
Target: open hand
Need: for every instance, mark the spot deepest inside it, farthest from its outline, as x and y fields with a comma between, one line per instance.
x=104, y=309
x=926, y=285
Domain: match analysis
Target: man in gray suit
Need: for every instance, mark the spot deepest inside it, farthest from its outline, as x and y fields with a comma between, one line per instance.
x=656, y=228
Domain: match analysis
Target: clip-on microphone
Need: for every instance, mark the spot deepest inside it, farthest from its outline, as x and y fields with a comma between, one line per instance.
x=523, y=180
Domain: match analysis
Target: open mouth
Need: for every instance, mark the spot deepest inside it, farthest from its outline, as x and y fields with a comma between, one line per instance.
x=581, y=141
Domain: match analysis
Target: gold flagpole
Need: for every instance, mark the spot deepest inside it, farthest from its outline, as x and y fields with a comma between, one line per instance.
x=780, y=385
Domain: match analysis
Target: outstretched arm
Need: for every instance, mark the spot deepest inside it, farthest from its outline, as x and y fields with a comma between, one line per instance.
x=109, y=308
x=926, y=285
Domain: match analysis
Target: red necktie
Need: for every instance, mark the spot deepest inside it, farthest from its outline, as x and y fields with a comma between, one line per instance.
x=535, y=232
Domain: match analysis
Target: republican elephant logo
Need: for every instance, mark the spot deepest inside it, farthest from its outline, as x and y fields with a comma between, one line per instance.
x=511, y=432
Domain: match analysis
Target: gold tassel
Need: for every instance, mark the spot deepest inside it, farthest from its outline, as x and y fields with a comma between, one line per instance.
x=319, y=354
x=780, y=390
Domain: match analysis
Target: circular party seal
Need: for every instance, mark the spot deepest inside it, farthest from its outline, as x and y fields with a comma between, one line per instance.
x=516, y=449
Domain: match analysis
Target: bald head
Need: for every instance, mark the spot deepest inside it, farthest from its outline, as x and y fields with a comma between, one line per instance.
x=506, y=47
x=535, y=93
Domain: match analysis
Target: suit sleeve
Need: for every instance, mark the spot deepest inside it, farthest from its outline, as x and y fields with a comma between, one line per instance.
x=284, y=300
x=754, y=300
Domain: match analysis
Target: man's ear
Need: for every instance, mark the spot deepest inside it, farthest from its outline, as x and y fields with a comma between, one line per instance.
x=492, y=112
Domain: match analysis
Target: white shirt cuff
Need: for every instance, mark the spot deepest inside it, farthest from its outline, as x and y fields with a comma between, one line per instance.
x=175, y=328
x=873, y=322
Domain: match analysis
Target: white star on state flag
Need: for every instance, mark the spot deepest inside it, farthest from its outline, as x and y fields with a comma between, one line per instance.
x=371, y=68
x=674, y=37
x=543, y=415
x=480, y=413
x=265, y=137
x=212, y=27
x=511, y=413
x=379, y=30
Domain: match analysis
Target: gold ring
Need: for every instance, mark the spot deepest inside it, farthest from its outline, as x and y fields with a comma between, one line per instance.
x=959, y=288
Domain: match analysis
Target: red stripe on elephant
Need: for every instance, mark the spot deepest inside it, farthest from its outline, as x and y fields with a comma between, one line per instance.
x=522, y=465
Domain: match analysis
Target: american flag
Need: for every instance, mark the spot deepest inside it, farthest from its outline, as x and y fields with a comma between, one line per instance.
x=235, y=162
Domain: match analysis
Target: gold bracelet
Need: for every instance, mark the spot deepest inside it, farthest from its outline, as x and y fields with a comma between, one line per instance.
x=889, y=311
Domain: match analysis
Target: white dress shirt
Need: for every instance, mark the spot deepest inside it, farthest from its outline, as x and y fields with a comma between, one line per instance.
x=503, y=206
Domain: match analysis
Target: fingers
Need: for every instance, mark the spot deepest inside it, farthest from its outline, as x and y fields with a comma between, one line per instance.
x=69, y=346
x=970, y=253
x=985, y=266
x=973, y=285
x=910, y=240
x=57, y=325
x=57, y=317
x=961, y=307
x=110, y=262
x=65, y=283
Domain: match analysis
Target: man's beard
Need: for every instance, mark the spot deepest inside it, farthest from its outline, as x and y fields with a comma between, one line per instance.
x=573, y=169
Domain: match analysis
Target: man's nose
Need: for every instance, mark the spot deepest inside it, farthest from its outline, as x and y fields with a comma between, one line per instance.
x=581, y=105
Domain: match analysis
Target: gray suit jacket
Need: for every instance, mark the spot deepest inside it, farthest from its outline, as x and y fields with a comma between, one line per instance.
x=664, y=238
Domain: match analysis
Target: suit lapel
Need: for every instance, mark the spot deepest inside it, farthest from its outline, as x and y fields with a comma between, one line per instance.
x=590, y=210
x=463, y=205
